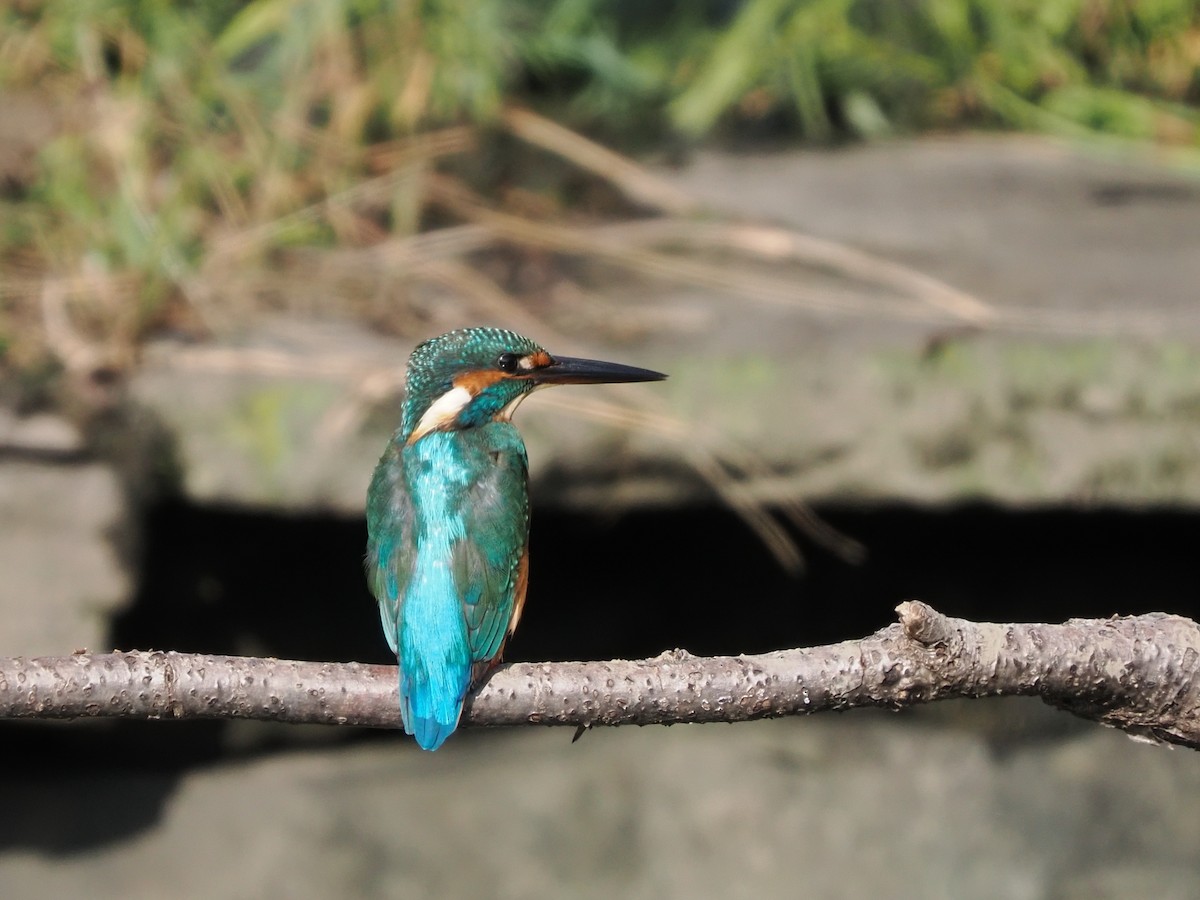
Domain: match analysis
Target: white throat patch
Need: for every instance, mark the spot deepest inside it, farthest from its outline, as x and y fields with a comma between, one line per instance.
x=442, y=412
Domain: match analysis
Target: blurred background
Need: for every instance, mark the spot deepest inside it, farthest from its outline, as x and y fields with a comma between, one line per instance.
x=924, y=275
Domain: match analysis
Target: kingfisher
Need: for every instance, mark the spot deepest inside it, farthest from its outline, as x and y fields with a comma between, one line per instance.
x=448, y=513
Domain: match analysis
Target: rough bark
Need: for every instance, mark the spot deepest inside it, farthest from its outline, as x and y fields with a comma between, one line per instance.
x=1137, y=673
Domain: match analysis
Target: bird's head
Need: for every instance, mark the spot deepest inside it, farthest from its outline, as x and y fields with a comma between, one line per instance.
x=473, y=376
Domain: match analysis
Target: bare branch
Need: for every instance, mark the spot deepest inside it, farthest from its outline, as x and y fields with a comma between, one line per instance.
x=1138, y=673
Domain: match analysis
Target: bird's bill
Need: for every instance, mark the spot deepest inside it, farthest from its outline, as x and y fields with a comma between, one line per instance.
x=569, y=370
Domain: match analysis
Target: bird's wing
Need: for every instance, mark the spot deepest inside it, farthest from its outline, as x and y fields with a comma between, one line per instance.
x=489, y=564
x=391, y=541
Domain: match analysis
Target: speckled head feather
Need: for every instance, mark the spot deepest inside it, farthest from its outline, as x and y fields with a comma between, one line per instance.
x=435, y=365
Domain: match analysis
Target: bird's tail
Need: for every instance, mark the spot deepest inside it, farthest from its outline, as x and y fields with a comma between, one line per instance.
x=431, y=696
x=428, y=715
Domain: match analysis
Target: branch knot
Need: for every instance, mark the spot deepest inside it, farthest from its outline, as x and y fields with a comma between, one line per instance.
x=924, y=624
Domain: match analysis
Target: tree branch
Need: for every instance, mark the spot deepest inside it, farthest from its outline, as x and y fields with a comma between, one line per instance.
x=1137, y=673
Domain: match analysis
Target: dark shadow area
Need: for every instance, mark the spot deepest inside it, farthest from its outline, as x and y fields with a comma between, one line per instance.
x=222, y=581
x=237, y=582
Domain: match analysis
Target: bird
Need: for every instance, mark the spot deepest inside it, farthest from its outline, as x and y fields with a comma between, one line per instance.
x=448, y=513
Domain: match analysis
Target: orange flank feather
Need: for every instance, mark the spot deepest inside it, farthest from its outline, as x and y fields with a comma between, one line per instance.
x=519, y=592
x=481, y=668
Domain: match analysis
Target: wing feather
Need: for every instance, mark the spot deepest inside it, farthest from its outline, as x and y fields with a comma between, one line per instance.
x=488, y=562
x=391, y=540
x=480, y=509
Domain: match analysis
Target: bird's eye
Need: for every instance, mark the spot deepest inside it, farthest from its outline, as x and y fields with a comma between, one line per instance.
x=508, y=362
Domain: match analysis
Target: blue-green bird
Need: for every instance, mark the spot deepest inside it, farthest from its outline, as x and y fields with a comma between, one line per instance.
x=448, y=513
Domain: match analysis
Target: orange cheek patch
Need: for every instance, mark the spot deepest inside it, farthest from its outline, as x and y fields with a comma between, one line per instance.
x=538, y=360
x=478, y=380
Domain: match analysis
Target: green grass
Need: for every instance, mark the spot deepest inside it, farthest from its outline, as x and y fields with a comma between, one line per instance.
x=188, y=134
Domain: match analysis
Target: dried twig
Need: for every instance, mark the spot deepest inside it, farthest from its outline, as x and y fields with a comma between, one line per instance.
x=1138, y=673
x=637, y=182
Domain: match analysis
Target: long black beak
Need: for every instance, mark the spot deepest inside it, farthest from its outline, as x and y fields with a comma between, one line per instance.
x=569, y=370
